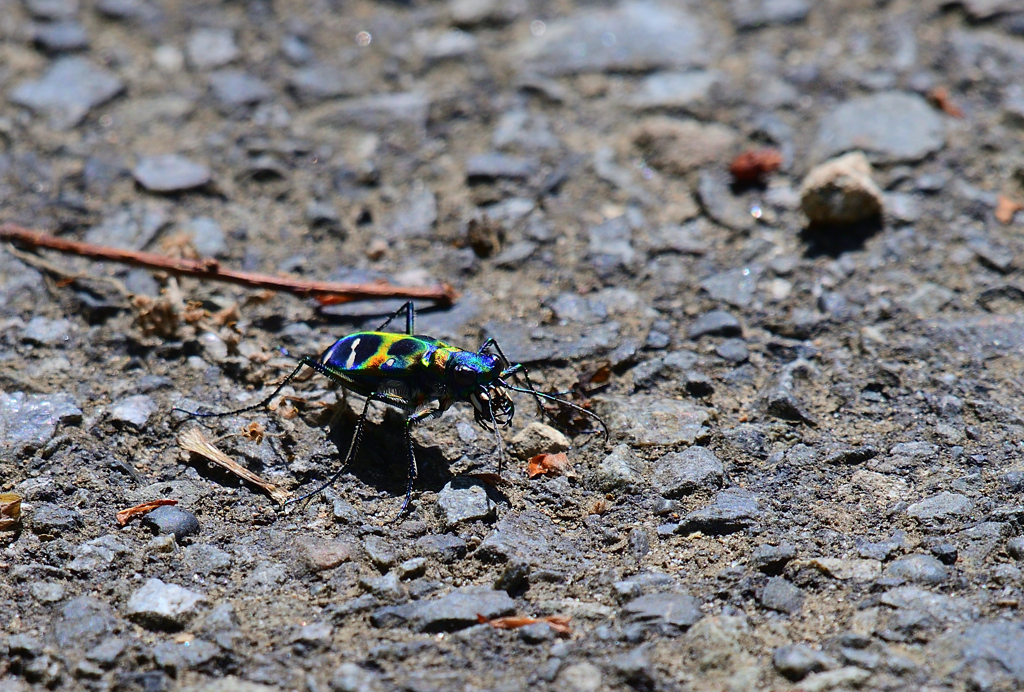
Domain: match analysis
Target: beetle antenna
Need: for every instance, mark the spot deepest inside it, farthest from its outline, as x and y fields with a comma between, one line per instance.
x=562, y=402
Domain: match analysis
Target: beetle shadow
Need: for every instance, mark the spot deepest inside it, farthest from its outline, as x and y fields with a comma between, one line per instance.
x=382, y=460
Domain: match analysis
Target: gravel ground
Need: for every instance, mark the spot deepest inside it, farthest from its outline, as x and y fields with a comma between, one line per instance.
x=814, y=477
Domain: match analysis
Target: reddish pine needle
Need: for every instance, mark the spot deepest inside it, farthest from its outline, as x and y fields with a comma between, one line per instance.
x=327, y=292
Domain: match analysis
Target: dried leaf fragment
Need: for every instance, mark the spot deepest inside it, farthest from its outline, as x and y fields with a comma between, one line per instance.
x=753, y=165
x=10, y=511
x=194, y=441
x=559, y=623
x=550, y=465
x=255, y=432
x=125, y=515
x=1006, y=208
x=940, y=98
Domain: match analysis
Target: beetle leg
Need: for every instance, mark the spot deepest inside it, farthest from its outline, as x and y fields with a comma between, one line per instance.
x=410, y=318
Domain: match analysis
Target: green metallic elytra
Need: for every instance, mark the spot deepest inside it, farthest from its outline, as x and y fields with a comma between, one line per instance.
x=410, y=372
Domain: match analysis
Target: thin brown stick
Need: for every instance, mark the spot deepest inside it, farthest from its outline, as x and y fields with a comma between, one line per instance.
x=210, y=269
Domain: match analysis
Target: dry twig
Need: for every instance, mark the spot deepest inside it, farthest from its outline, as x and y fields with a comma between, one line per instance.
x=210, y=269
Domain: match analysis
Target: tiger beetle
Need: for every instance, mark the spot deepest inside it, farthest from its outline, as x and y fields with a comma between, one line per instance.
x=409, y=371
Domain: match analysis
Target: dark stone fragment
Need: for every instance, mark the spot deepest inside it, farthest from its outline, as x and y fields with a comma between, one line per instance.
x=1014, y=548
x=778, y=594
x=639, y=543
x=537, y=633
x=82, y=623
x=53, y=521
x=531, y=538
x=1015, y=480
x=715, y=323
x=196, y=654
x=754, y=14
x=670, y=612
x=68, y=91
x=234, y=88
x=686, y=472
x=797, y=661
x=772, y=559
x=493, y=166
x=107, y=651
x=882, y=550
x=172, y=520
x=657, y=340
x=852, y=456
x=721, y=204
x=749, y=439
x=514, y=579
x=446, y=547
x=457, y=610
x=61, y=37
x=697, y=384
x=946, y=553
x=733, y=510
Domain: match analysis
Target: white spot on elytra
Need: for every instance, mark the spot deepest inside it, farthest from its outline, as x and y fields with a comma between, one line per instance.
x=350, y=363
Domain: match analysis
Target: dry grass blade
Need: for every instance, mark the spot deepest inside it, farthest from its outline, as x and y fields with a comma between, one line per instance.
x=125, y=515
x=10, y=511
x=194, y=441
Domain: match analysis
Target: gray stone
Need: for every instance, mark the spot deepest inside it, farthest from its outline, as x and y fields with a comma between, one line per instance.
x=772, y=559
x=83, y=623
x=351, y=678
x=735, y=286
x=52, y=10
x=529, y=538
x=686, y=472
x=457, y=610
x=515, y=254
x=642, y=583
x=918, y=569
x=715, y=323
x=579, y=677
x=207, y=237
x=632, y=37
x=61, y=37
x=133, y=410
x=445, y=547
x=132, y=228
x=647, y=420
x=537, y=633
x=890, y=126
x=47, y=591
x=668, y=611
x=721, y=204
x=171, y=520
x=754, y=14
x=376, y=112
x=71, y=88
x=53, y=521
x=1015, y=548
x=676, y=90
x=170, y=173
x=619, y=470
x=107, y=651
x=987, y=654
x=944, y=609
x=797, y=661
x=496, y=165
x=323, y=82
x=211, y=48
x=175, y=657
x=734, y=509
x=296, y=50
x=97, y=554
x=380, y=551
x=464, y=500
x=939, y=508
x=43, y=331
x=778, y=594
x=903, y=207
x=733, y=350
x=158, y=605
x=414, y=217
x=521, y=128
x=234, y=88
x=204, y=559
x=452, y=44
x=611, y=243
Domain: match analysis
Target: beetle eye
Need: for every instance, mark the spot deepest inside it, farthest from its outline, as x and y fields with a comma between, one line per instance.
x=464, y=376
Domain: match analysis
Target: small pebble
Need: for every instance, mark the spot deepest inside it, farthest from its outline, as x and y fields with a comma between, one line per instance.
x=172, y=520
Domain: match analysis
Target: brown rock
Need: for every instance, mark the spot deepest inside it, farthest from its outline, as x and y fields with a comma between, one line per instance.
x=841, y=191
x=678, y=146
x=321, y=555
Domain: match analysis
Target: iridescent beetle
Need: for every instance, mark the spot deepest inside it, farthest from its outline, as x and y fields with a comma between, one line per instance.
x=409, y=371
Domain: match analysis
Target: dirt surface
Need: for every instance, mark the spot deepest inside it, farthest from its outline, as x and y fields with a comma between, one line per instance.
x=814, y=477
